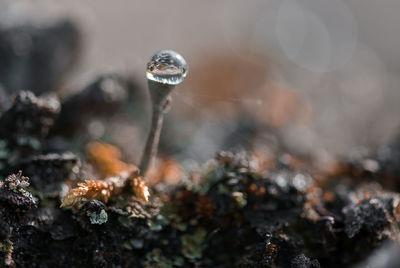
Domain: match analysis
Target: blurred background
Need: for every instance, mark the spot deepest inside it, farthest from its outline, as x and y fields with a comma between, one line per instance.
x=316, y=78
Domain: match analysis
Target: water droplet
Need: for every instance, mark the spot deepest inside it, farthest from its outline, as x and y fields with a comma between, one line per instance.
x=167, y=67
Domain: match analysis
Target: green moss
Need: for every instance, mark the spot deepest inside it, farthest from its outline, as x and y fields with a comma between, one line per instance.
x=179, y=261
x=6, y=246
x=133, y=244
x=155, y=258
x=31, y=142
x=222, y=189
x=125, y=221
x=167, y=217
x=192, y=245
x=240, y=199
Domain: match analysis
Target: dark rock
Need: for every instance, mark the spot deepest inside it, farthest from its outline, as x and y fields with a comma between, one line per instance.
x=372, y=215
x=101, y=98
x=48, y=172
x=301, y=261
x=37, y=58
x=28, y=121
x=5, y=102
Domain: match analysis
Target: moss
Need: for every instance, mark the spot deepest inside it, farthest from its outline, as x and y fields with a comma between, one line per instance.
x=167, y=217
x=7, y=247
x=31, y=142
x=240, y=199
x=192, y=245
x=134, y=244
x=155, y=258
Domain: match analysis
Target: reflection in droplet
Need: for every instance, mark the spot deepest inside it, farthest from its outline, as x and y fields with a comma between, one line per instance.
x=167, y=67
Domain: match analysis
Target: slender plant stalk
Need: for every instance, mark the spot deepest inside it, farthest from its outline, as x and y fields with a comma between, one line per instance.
x=160, y=101
x=164, y=71
x=150, y=151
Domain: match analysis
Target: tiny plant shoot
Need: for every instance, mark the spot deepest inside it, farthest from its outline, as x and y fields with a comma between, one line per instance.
x=164, y=71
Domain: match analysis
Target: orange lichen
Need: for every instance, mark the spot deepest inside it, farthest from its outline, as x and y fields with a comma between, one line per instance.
x=253, y=187
x=101, y=190
x=261, y=191
x=106, y=159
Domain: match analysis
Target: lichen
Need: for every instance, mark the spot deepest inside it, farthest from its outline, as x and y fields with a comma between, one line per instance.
x=97, y=218
x=18, y=184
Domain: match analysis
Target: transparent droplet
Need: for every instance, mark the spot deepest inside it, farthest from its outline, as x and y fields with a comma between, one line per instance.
x=167, y=67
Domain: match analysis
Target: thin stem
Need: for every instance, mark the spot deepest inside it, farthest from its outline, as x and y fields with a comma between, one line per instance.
x=160, y=99
x=150, y=151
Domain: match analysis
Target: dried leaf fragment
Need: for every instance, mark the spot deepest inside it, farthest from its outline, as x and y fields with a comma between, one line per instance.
x=100, y=190
x=140, y=188
x=106, y=159
x=103, y=190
